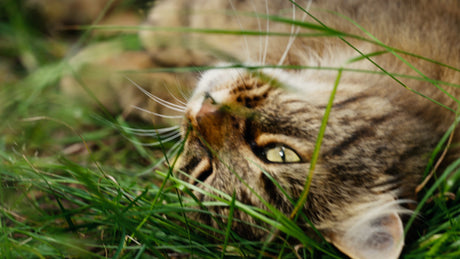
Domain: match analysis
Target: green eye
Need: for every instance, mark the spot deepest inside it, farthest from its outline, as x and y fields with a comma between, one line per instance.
x=281, y=154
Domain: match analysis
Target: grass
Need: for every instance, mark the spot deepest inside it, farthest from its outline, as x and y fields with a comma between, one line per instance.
x=75, y=182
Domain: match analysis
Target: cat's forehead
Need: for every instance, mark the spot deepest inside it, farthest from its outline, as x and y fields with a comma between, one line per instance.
x=237, y=85
x=218, y=82
x=221, y=82
x=230, y=86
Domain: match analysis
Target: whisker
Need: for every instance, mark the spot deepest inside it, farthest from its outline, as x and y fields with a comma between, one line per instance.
x=174, y=150
x=160, y=130
x=240, y=75
x=157, y=143
x=172, y=153
x=248, y=54
x=166, y=104
x=183, y=104
x=259, y=26
x=183, y=94
x=172, y=133
x=163, y=136
x=293, y=36
x=267, y=35
x=155, y=135
x=158, y=114
x=163, y=133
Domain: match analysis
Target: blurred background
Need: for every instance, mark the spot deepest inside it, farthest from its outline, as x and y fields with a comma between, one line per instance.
x=70, y=164
x=80, y=175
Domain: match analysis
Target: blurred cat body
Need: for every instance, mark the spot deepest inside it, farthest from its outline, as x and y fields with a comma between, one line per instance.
x=245, y=129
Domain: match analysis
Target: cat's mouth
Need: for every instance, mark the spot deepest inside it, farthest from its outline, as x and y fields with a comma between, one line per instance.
x=203, y=176
x=201, y=172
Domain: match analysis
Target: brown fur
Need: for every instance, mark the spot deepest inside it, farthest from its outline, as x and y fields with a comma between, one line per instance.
x=379, y=135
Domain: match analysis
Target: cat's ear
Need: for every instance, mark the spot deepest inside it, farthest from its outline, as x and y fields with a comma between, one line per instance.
x=379, y=236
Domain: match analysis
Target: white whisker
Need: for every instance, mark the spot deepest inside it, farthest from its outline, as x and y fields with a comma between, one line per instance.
x=266, y=36
x=166, y=104
x=156, y=135
x=173, y=151
x=182, y=103
x=184, y=95
x=291, y=38
x=293, y=35
x=157, y=143
x=160, y=130
x=158, y=114
x=259, y=26
x=241, y=28
x=137, y=131
x=163, y=133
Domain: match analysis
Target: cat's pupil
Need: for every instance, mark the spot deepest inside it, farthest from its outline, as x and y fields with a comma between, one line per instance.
x=281, y=154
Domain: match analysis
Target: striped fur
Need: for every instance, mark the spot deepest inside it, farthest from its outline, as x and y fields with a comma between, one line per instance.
x=379, y=136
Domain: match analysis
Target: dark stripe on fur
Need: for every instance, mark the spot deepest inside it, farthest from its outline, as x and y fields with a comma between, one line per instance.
x=274, y=196
x=343, y=103
x=395, y=168
x=354, y=137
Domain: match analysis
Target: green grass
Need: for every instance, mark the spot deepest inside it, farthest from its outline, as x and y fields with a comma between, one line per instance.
x=75, y=183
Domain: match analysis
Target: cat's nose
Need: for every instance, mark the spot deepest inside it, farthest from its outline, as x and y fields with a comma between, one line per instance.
x=208, y=109
x=210, y=122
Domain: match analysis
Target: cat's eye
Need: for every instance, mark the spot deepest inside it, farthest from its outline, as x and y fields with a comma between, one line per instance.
x=281, y=154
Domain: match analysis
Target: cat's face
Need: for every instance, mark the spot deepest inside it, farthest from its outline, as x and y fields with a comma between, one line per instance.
x=252, y=134
x=239, y=133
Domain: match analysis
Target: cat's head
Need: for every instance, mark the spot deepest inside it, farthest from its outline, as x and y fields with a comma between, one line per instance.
x=252, y=134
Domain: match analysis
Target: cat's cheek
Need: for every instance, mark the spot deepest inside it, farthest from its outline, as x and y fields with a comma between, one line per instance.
x=290, y=177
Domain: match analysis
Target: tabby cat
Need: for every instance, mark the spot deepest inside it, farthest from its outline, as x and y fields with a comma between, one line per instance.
x=251, y=130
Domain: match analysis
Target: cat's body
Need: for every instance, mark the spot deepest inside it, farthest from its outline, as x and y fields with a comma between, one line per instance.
x=243, y=124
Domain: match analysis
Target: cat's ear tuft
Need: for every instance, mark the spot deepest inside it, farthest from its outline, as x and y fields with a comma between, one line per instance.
x=381, y=236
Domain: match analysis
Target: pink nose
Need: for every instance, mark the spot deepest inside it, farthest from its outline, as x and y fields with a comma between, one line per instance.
x=210, y=123
x=207, y=109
